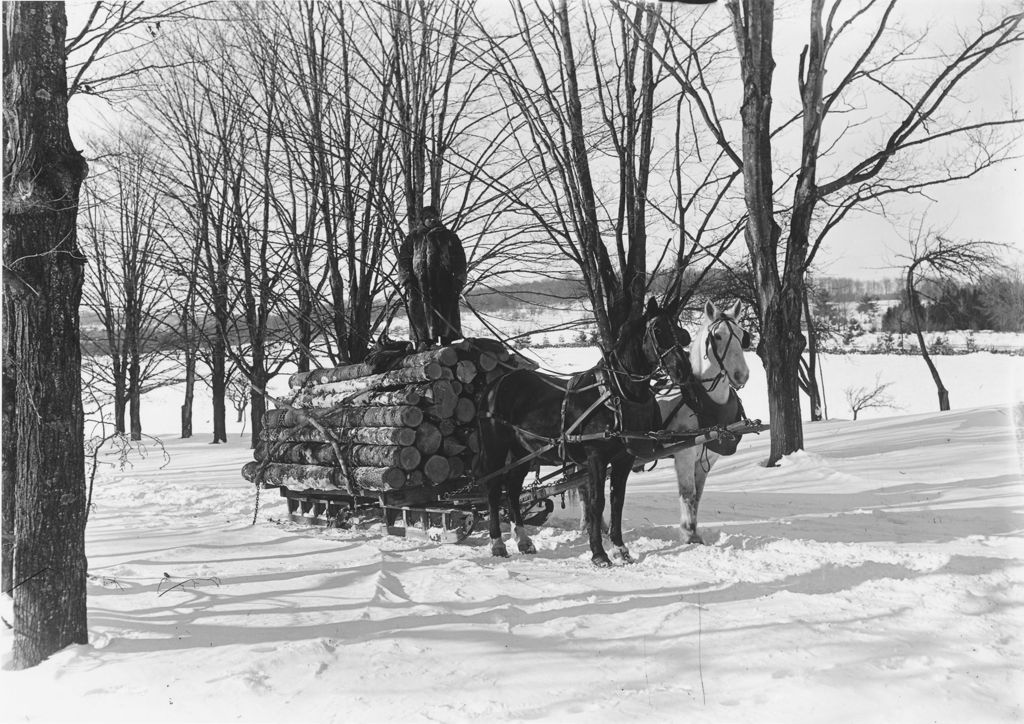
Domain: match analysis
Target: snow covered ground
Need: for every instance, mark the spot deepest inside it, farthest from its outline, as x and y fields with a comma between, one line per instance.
x=875, y=577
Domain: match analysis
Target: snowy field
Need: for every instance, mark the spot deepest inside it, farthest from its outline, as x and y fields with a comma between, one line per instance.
x=875, y=577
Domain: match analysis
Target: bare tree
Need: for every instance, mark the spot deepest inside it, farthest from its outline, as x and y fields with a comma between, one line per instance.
x=808, y=371
x=126, y=288
x=864, y=398
x=561, y=67
x=454, y=143
x=43, y=455
x=336, y=152
x=200, y=124
x=260, y=264
x=819, y=325
x=239, y=392
x=782, y=260
x=109, y=50
x=188, y=320
x=934, y=257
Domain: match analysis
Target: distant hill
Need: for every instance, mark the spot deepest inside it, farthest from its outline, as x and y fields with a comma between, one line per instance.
x=539, y=294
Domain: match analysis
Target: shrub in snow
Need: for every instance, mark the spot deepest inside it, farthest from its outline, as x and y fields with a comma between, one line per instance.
x=940, y=345
x=863, y=398
x=852, y=331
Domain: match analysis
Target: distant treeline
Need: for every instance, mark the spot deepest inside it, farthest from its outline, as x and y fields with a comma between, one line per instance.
x=844, y=289
x=997, y=305
x=540, y=293
x=557, y=292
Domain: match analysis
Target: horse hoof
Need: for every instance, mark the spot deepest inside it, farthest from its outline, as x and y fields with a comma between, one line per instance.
x=601, y=561
x=499, y=550
x=527, y=547
x=622, y=554
x=693, y=538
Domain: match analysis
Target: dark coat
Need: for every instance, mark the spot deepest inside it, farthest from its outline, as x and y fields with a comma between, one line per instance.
x=432, y=255
x=432, y=270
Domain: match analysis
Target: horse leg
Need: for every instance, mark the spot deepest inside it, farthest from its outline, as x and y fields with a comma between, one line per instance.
x=494, y=517
x=687, y=463
x=493, y=453
x=619, y=476
x=701, y=467
x=513, y=488
x=596, y=468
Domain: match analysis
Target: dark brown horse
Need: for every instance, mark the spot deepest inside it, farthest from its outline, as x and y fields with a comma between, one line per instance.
x=596, y=419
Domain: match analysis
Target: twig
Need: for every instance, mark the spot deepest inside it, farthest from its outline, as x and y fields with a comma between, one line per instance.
x=106, y=581
x=193, y=581
x=9, y=591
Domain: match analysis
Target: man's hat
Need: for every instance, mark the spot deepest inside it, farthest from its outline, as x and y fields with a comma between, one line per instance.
x=430, y=212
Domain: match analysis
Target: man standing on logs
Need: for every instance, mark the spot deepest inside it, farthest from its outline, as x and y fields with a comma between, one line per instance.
x=432, y=272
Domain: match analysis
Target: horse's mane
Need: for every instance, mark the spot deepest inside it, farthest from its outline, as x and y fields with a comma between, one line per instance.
x=628, y=345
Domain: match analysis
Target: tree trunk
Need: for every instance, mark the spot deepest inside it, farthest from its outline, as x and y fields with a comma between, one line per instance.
x=781, y=350
x=10, y=447
x=779, y=299
x=813, y=392
x=257, y=399
x=120, y=399
x=43, y=272
x=913, y=304
x=135, y=396
x=190, y=391
x=219, y=389
x=305, y=334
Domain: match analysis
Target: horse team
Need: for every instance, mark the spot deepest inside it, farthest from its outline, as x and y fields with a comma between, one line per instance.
x=596, y=421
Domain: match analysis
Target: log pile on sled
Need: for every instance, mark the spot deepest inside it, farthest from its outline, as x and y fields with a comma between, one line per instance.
x=389, y=425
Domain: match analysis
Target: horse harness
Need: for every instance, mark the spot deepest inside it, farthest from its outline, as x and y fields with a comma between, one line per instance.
x=710, y=349
x=610, y=396
x=695, y=396
x=613, y=397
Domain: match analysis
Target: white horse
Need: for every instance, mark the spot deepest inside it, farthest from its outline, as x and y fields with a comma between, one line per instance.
x=708, y=399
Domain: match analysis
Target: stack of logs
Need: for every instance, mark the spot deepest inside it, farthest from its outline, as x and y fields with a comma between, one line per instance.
x=371, y=427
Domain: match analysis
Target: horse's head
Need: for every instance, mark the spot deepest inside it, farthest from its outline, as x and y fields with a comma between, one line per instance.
x=665, y=342
x=651, y=344
x=722, y=342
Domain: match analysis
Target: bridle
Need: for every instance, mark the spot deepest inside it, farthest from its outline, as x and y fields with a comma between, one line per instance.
x=744, y=341
x=678, y=345
x=660, y=368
